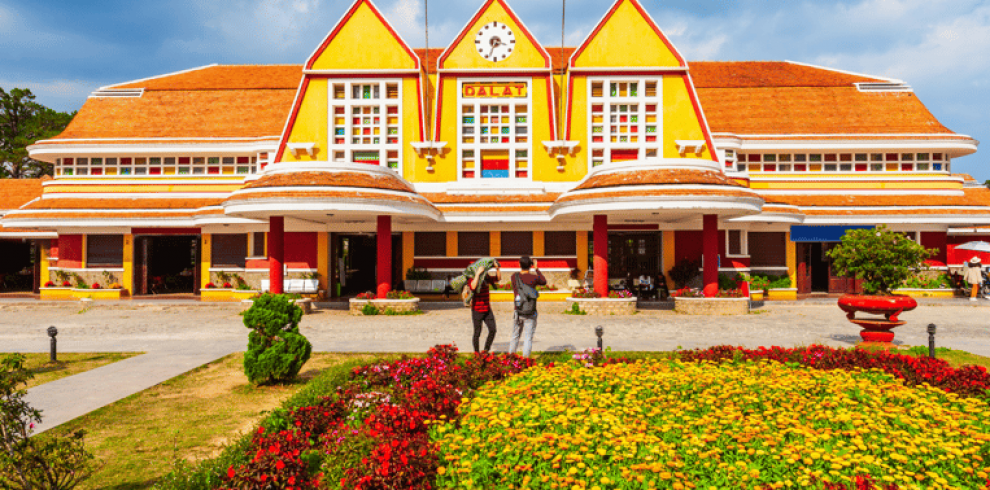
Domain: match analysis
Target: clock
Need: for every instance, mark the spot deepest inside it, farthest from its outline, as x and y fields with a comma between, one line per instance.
x=495, y=42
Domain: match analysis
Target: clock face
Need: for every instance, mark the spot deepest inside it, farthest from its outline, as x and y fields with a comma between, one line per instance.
x=495, y=41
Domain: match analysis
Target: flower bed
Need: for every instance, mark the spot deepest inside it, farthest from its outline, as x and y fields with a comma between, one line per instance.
x=397, y=303
x=603, y=306
x=683, y=424
x=723, y=417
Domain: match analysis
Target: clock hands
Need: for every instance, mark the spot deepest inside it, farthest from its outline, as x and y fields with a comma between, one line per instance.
x=495, y=43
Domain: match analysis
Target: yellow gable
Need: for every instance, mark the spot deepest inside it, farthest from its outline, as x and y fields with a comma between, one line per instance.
x=363, y=30
x=627, y=37
x=464, y=52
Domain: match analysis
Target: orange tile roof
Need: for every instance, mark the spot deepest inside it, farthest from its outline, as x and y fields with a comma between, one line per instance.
x=815, y=110
x=604, y=193
x=226, y=77
x=970, y=197
x=328, y=179
x=658, y=177
x=14, y=193
x=120, y=203
x=754, y=74
x=184, y=114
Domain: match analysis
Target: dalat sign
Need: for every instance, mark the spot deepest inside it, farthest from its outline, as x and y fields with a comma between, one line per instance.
x=494, y=90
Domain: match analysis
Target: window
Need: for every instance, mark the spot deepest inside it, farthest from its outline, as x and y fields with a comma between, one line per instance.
x=859, y=162
x=473, y=244
x=430, y=244
x=494, y=130
x=736, y=243
x=517, y=243
x=258, y=244
x=229, y=251
x=560, y=243
x=624, y=119
x=104, y=250
x=157, y=165
x=364, y=120
x=769, y=249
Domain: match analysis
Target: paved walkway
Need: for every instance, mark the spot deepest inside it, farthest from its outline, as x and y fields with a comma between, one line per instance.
x=179, y=336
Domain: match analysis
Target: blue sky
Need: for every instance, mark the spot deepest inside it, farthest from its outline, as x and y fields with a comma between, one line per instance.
x=62, y=50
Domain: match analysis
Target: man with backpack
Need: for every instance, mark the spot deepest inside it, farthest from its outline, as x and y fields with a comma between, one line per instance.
x=524, y=285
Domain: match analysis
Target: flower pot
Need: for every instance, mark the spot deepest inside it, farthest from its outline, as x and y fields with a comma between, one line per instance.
x=877, y=331
x=782, y=294
x=604, y=306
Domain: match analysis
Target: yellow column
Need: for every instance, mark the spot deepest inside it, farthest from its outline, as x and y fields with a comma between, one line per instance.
x=323, y=259
x=668, y=257
x=495, y=242
x=408, y=251
x=582, y=252
x=82, y=260
x=205, y=260
x=451, y=244
x=44, y=249
x=791, y=259
x=127, y=279
x=539, y=244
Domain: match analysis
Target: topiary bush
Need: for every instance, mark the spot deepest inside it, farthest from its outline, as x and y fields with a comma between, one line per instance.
x=276, y=350
x=881, y=258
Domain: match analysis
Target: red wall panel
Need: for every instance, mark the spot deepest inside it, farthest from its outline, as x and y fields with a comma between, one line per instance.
x=962, y=256
x=300, y=250
x=687, y=245
x=70, y=251
x=933, y=240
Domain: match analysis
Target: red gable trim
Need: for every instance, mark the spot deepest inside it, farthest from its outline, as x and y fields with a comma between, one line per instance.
x=701, y=116
x=343, y=21
x=474, y=20
x=646, y=16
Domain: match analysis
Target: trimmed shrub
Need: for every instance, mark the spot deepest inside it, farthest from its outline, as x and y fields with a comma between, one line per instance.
x=276, y=350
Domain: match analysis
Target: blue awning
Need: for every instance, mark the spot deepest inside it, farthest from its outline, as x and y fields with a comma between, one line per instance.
x=822, y=233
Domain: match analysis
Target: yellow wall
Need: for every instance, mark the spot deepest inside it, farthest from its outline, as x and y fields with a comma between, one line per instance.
x=582, y=251
x=361, y=32
x=451, y=244
x=44, y=249
x=465, y=54
x=669, y=256
x=311, y=124
x=627, y=39
x=127, y=277
x=544, y=165
x=791, y=259
x=85, y=245
x=205, y=260
x=323, y=260
x=495, y=243
x=408, y=251
x=539, y=246
x=414, y=166
x=680, y=121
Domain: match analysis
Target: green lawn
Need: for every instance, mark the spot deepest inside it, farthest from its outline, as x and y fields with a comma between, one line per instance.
x=68, y=364
x=190, y=417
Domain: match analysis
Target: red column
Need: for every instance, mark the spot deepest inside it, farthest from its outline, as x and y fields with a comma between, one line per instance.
x=276, y=254
x=601, y=255
x=710, y=251
x=384, y=256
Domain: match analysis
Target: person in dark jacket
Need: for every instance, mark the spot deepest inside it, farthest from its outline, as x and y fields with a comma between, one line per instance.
x=481, y=306
x=525, y=325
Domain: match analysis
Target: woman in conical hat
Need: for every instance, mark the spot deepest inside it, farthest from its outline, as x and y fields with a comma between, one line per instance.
x=974, y=276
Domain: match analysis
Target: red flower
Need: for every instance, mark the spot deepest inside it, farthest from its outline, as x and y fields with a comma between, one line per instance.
x=230, y=472
x=279, y=465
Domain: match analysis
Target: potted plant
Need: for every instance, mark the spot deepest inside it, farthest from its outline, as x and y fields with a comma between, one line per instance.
x=882, y=260
x=684, y=271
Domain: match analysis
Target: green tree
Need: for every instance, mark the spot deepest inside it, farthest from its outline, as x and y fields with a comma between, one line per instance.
x=276, y=350
x=22, y=122
x=44, y=462
x=883, y=259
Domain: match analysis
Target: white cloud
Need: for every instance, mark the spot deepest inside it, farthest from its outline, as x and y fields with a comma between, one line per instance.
x=61, y=95
x=408, y=19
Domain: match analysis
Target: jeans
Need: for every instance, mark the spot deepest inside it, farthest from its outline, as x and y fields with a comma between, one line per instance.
x=489, y=319
x=523, y=325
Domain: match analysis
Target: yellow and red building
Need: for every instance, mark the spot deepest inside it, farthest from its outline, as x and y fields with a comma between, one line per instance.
x=373, y=158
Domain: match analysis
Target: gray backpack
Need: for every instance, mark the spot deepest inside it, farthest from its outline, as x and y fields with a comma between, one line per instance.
x=526, y=297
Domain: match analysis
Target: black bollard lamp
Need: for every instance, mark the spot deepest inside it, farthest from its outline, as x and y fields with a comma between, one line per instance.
x=52, y=332
x=931, y=340
x=599, y=331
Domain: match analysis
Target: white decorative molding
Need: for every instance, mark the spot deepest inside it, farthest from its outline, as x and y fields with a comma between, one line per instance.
x=296, y=148
x=684, y=145
x=561, y=145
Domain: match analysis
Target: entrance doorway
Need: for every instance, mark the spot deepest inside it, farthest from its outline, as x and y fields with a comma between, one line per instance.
x=17, y=269
x=819, y=267
x=166, y=264
x=356, y=263
x=633, y=254
x=815, y=274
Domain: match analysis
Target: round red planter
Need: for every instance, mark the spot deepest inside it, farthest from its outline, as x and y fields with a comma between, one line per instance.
x=877, y=331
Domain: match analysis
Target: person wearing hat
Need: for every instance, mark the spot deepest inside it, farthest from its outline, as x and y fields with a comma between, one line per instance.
x=974, y=276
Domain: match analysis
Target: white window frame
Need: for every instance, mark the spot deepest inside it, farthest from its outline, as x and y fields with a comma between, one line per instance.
x=743, y=244
x=383, y=147
x=606, y=100
x=477, y=147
